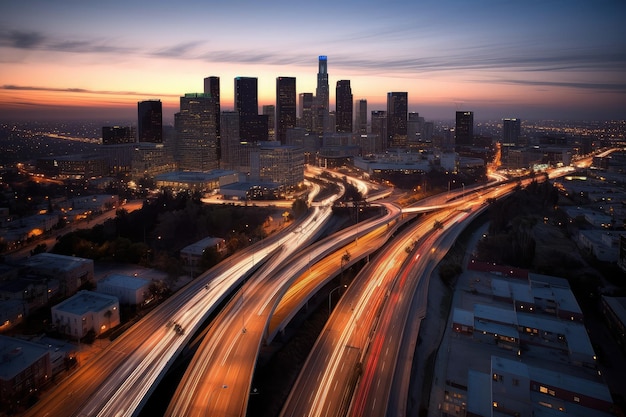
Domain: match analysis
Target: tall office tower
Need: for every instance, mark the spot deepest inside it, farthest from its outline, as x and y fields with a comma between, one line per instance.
x=322, y=96
x=117, y=135
x=195, y=132
x=230, y=139
x=150, y=121
x=305, y=104
x=285, y=107
x=343, y=112
x=212, y=86
x=397, y=109
x=511, y=131
x=269, y=110
x=464, y=129
x=414, y=129
x=379, y=128
x=360, y=121
x=252, y=125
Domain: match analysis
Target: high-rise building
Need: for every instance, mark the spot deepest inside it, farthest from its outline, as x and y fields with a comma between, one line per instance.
x=343, y=112
x=117, y=135
x=252, y=125
x=212, y=86
x=269, y=110
x=511, y=131
x=150, y=121
x=414, y=129
x=306, y=105
x=397, y=109
x=285, y=107
x=360, y=121
x=464, y=129
x=379, y=128
x=322, y=96
x=195, y=132
x=229, y=125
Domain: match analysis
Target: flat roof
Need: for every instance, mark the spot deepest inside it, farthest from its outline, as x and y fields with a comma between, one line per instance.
x=198, y=247
x=52, y=261
x=124, y=281
x=17, y=355
x=86, y=301
x=463, y=317
x=496, y=314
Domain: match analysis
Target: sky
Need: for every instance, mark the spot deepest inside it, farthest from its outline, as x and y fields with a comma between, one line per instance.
x=548, y=59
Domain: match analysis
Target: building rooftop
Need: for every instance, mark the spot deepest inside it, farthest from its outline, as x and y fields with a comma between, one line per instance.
x=86, y=301
x=52, y=261
x=17, y=355
x=124, y=281
x=199, y=247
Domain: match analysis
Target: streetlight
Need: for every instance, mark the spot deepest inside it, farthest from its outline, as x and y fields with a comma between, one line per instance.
x=330, y=295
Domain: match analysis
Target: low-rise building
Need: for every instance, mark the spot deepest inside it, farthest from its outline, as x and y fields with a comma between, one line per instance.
x=127, y=289
x=86, y=311
x=24, y=367
x=72, y=272
x=192, y=254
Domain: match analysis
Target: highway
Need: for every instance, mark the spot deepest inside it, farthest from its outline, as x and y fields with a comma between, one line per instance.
x=119, y=380
x=228, y=353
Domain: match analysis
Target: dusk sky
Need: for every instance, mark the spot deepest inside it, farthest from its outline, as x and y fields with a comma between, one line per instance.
x=529, y=59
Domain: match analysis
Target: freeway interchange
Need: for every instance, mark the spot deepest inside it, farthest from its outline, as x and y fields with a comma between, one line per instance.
x=356, y=360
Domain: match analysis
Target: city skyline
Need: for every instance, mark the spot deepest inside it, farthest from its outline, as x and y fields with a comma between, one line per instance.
x=531, y=60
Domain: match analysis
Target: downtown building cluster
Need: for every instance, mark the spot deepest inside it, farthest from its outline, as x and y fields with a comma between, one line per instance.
x=269, y=149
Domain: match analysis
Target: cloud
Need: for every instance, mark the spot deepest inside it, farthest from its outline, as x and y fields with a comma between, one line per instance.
x=609, y=87
x=82, y=91
x=21, y=39
x=177, y=51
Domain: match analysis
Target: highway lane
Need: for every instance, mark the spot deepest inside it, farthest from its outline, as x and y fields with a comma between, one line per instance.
x=99, y=385
x=328, y=377
x=228, y=354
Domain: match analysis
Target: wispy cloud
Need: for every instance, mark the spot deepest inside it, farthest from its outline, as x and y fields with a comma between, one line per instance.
x=82, y=91
x=610, y=87
x=21, y=39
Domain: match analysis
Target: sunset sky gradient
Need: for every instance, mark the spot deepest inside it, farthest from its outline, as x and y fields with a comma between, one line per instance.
x=530, y=59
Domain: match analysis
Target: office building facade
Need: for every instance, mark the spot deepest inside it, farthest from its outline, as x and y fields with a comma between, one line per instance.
x=322, y=97
x=195, y=133
x=285, y=107
x=397, y=110
x=511, y=131
x=343, y=111
x=360, y=120
x=464, y=129
x=253, y=127
x=150, y=121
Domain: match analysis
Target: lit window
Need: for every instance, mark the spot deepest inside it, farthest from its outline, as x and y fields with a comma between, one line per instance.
x=543, y=389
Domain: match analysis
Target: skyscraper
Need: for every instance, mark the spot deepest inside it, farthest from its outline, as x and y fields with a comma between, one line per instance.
x=511, y=131
x=150, y=121
x=285, y=107
x=322, y=94
x=360, y=122
x=269, y=110
x=379, y=128
x=252, y=125
x=397, y=109
x=464, y=129
x=343, y=112
x=195, y=133
x=305, y=104
x=212, y=86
